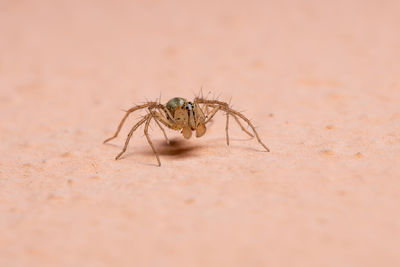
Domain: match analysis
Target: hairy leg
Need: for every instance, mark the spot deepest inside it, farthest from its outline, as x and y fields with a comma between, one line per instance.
x=208, y=109
x=241, y=126
x=129, y=111
x=159, y=125
x=163, y=108
x=161, y=118
x=212, y=113
x=130, y=134
x=146, y=133
x=162, y=129
x=215, y=110
x=240, y=115
x=224, y=106
x=227, y=127
x=205, y=109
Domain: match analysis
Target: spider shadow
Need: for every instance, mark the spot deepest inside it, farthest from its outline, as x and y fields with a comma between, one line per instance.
x=177, y=148
x=180, y=148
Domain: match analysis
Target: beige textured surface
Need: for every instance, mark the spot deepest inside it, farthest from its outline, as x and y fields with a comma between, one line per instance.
x=319, y=78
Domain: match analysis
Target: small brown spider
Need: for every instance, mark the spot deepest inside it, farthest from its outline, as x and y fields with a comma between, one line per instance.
x=179, y=114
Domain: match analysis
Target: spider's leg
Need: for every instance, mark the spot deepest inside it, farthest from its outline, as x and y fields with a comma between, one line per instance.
x=146, y=133
x=216, y=108
x=212, y=113
x=163, y=131
x=227, y=127
x=201, y=110
x=162, y=118
x=130, y=135
x=205, y=110
x=129, y=111
x=241, y=126
x=167, y=113
x=240, y=115
x=211, y=103
x=159, y=125
x=224, y=106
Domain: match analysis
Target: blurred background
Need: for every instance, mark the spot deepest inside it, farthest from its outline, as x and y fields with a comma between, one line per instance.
x=320, y=79
x=83, y=53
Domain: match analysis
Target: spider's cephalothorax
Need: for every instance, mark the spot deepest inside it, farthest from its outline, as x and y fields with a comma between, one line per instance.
x=180, y=114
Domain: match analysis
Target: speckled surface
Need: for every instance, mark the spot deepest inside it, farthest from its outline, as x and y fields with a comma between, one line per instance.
x=320, y=80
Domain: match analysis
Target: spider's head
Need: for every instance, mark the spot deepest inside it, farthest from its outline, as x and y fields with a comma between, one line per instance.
x=187, y=116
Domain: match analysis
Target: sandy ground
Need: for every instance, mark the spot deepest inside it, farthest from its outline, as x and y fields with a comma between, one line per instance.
x=320, y=79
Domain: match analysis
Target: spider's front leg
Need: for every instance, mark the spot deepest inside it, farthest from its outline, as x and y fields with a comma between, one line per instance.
x=128, y=112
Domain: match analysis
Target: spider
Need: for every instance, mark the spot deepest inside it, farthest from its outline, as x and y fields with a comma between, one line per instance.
x=181, y=115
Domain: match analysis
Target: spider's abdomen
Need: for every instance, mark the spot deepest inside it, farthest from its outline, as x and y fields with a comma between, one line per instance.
x=175, y=103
